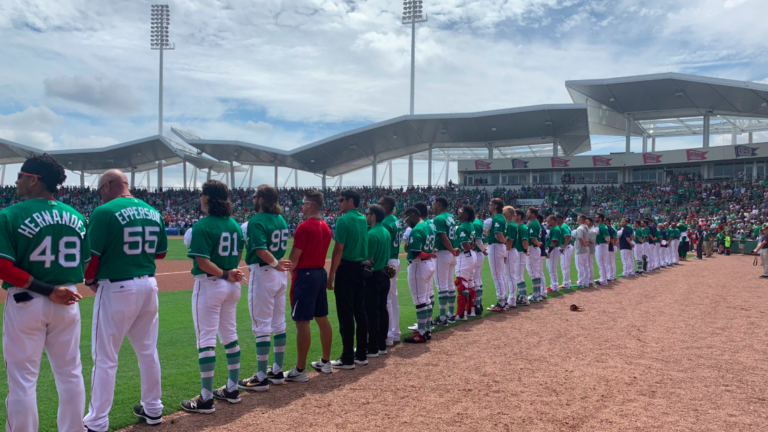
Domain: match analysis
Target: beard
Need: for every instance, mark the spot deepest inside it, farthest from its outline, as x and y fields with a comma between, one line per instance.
x=256, y=207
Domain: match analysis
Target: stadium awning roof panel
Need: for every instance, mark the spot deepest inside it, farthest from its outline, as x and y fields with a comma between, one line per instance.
x=11, y=152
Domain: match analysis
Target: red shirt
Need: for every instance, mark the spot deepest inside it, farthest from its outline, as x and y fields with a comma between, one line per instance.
x=313, y=238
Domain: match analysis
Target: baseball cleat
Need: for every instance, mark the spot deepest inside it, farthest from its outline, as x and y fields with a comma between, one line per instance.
x=254, y=384
x=461, y=317
x=472, y=312
x=295, y=376
x=338, y=364
x=563, y=287
x=452, y=319
x=417, y=338
x=138, y=411
x=222, y=394
x=443, y=322
x=198, y=405
x=523, y=300
x=372, y=354
x=763, y=277
x=496, y=308
x=478, y=309
x=413, y=327
x=275, y=378
x=321, y=366
x=363, y=362
x=428, y=335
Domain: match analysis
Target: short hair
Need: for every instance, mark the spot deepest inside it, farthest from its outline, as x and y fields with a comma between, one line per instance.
x=520, y=213
x=600, y=216
x=552, y=217
x=627, y=219
x=540, y=218
x=498, y=203
x=268, y=193
x=581, y=216
x=509, y=208
x=469, y=210
x=377, y=211
x=560, y=216
x=351, y=194
x=410, y=211
x=534, y=211
x=590, y=219
x=314, y=196
x=607, y=219
x=218, y=198
x=443, y=202
x=422, y=208
x=388, y=203
x=51, y=172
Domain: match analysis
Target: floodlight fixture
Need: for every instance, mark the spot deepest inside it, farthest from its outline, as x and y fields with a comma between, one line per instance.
x=160, y=41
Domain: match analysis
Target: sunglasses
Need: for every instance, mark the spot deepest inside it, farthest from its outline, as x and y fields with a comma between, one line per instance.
x=102, y=186
x=23, y=174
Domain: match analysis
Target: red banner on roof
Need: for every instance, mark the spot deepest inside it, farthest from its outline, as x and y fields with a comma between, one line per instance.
x=649, y=158
x=601, y=161
x=482, y=165
x=559, y=163
x=695, y=155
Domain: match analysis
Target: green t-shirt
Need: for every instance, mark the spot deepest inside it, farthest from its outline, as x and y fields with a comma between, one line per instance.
x=511, y=232
x=218, y=239
x=554, y=237
x=522, y=235
x=266, y=231
x=534, y=230
x=465, y=233
x=444, y=224
x=379, y=246
x=602, y=234
x=422, y=239
x=498, y=225
x=126, y=234
x=47, y=239
x=565, y=231
x=742, y=239
x=675, y=233
x=392, y=225
x=638, y=234
x=477, y=224
x=352, y=232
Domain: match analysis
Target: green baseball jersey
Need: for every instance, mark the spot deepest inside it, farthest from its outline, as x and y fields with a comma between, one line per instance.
x=266, y=231
x=675, y=233
x=638, y=234
x=534, y=230
x=352, y=232
x=392, y=225
x=444, y=224
x=602, y=234
x=422, y=239
x=126, y=234
x=565, y=231
x=218, y=239
x=511, y=232
x=477, y=225
x=379, y=242
x=522, y=234
x=498, y=225
x=45, y=238
x=554, y=237
x=465, y=233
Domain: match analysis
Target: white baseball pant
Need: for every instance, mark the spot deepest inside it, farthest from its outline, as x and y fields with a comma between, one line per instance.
x=127, y=308
x=478, y=277
x=627, y=262
x=612, y=263
x=763, y=261
x=591, y=268
x=565, y=265
x=583, y=263
x=673, y=253
x=420, y=280
x=522, y=261
x=535, y=270
x=214, y=310
x=465, y=268
x=28, y=329
x=444, y=273
x=639, y=255
x=553, y=262
x=657, y=255
x=512, y=267
x=601, y=255
x=393, y=305
x=266, y=300
x=496, y=254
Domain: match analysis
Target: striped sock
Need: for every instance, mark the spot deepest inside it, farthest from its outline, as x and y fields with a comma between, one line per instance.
x=479, y=295
x=262, y=355
x=206, y=358
x=422, y=316
x=442, y=299
x=279, y=352
x=233, y=364
x=536, y=286
x=451, y=302
x=429, y=315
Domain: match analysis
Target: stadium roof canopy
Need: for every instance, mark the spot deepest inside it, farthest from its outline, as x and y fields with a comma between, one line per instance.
x=11, y=152
x=667, y=96
x=407, y=135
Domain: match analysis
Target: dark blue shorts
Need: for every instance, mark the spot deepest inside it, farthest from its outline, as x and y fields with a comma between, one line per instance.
x=308, y=295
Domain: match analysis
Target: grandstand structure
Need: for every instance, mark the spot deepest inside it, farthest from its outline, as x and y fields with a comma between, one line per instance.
x=516, y=146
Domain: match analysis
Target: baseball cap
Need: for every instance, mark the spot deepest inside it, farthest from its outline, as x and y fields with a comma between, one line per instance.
x=765, y=225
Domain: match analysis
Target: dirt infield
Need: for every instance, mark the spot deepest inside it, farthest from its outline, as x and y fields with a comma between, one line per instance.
x=684, y=349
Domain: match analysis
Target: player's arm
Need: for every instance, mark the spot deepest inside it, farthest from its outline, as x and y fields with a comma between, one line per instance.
x=566, y=240
x=500, y=237
x=257, y=239
x=445, y=241
x=338, y=250
x=535, y=241
x=212, y=269
x=200, y=250
x=299, y=242
x=98, y=226
x=481, y=245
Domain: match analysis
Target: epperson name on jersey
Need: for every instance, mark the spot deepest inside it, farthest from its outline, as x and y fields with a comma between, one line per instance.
x=132, y=213
x=52, y=217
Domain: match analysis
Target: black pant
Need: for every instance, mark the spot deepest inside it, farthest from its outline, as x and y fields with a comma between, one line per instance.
x=699, y=249
x=350, y=309
x=376, y=291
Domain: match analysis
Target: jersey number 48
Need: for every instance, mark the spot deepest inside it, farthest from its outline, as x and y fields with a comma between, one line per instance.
x=68, y=247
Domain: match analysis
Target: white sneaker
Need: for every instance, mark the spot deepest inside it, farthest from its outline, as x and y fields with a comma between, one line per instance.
x=372, y=355
x=361, y=362
x=413, y=327
x=296, y=376
x=382, y=352
x=390, y=342
x=472, y=312
x=321, y=366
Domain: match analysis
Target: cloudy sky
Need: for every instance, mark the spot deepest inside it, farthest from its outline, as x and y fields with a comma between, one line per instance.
x=80, y=73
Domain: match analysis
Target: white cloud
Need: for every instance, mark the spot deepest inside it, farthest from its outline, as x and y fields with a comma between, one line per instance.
x=258, y=127
x=98, y=91
x=32, y=126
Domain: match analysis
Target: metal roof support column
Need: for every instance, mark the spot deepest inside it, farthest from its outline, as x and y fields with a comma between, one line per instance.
x=750, y=137
x=390, y=174
x=133, y=178
x=2, y=178
x=706, y=131
x=447, y=167
x=149, y=180
x=275, y=176
x=341, y=180
x=410, y=170
x=653, y=144
x=645, y=143
x=209, y=174
x=373, y=168
x=555, y=147
x=82, y=178
x=754, y=170
x=296, y=178
x=734, y=135
x=185, y=174
x=231, y=174
x=250, y=177
x=628, y=130
x=160, y=176
x=323, y=181
x=429, y=167
x=193, y=180
x=490, y=151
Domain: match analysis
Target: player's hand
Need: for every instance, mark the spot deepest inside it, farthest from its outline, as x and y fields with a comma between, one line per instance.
x=329, y=285
x=505, y=260
x=283, y=264
x=456, y=252
x=433, y=254
x=64, y=296
x=485, y=252
x=235, y=275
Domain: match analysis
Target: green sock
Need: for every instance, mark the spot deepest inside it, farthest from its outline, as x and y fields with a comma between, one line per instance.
x=279, y=352
x=422, y=317
x=451, y=303
x=233, y=364
x=521, y=289
x=262, y=355
x=206, y=358
x=429, y=316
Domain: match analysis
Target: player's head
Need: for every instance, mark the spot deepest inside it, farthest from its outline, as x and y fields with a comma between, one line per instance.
x=560, y=219
x=348, y=200
x=412, y=216
x=496, y=206
x=552, y=220
x=466, y=213
x=40, y=176
x=214, y=199
x=112, y=184
x=423, y=210
x=600, y=218
x=509, y=213
x=590, y=222
x=532, y=213
x=581, y=219
x=440, y=205
x=607, y=220
x=388, y=203
x=519, y=216
x=265, y=200
x=312, y=202
x=637, y=223
x=624, y=222
x=540, y=218
x=375, y=214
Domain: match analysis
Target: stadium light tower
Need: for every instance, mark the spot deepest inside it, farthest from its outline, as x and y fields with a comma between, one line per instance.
x=412, y=15
x=161, y=20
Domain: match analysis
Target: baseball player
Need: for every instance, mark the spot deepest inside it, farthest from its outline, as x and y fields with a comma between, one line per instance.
x=535, y=257
x=653, y=242
x=496, y=253
x=601, y=249
x=215, y=243
x=613, y=245
x=445, y=230
x=625, y=247
x=513, y=258
x=580, y=237
x=593, y=231
x=480, y=253
x=553, y=244
x=675, y=244
x=566, y=253
x=465, y=266
x=127, y=236
x=762, y=250
x=267, y=235
x=421, y=267
x=395, y=230
x=664, y=240
x=43, y=251
x=638, y=240
x=522, y=249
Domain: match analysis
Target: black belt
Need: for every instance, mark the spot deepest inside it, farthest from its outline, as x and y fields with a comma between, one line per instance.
x=347, y=262
x=130, y=278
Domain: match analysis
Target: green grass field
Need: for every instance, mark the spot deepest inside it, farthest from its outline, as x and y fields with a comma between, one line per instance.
x=177, y=250
x=178, y=353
